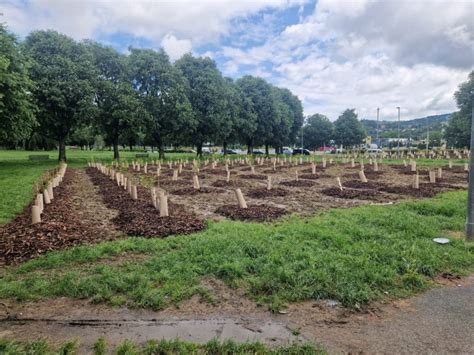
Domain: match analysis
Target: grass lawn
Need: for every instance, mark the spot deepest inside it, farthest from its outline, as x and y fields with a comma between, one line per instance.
x=353, y=255
x=158, y=347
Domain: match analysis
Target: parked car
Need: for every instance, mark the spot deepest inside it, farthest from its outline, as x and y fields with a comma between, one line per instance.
x=299, y=151
x=229, y=151
x=206, y=150
x=258, y=152
x=287, y=151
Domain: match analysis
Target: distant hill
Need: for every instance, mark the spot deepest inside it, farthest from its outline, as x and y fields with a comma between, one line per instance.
x=415, y=128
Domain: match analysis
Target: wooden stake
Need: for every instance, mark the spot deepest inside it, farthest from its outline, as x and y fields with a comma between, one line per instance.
x=175, y=175
x=296, y=175
x=269, y=182
x=432, y=177
x=196, y=182
x=416, y=181
x=46, y=198
x=228, y=176
x=240, y=198
x=50, y=191
x=339, y=183
x=313, y=168
x=134, y=192
x=39, y=202
x=440, y=173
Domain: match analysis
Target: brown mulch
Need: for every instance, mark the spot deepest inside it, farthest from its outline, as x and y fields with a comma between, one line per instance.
x=220, y=172
x=252, y=176
x=172, y=183
x=313, y=176
x=350, y=193
x=60, y=228
x=192, y=191
x=299, y=183
x=357, y=184
x=263, y=192
x=139, y=217
x=425, y=190
x=255, y=213
x=224, y=183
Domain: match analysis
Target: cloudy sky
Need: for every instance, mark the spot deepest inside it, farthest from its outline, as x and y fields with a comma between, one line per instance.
x=333, y=54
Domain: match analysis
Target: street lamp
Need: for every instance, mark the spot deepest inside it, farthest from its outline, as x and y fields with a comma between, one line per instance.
x=470, y=195
x=398, y=143
x=377, y=131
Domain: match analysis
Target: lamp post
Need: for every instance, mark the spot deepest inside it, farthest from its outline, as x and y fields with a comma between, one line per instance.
x=377, y=131
x=470, y=195
x=398, y=140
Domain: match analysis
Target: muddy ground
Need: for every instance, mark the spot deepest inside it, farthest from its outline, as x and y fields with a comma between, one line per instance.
x=439, y=321
x=307, y=196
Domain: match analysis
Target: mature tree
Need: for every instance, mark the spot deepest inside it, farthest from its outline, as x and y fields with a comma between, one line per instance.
x=459, y=127
x=119, y=108
x=63, y=72
x=17, y=110
x=262, y=100
x=163, y=92
x=83, y=136
x=232, y=114
x=207, y=94
x=348, y=130
x=318, y=131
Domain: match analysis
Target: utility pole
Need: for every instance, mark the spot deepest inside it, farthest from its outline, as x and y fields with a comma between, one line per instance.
x=398, y=140
x=470, y=196
x=377, y=131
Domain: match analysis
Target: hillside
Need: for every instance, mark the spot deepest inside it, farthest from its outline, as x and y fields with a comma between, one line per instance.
x=414, y=128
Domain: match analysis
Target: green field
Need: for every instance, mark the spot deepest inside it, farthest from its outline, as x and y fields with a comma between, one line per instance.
x=355, y=255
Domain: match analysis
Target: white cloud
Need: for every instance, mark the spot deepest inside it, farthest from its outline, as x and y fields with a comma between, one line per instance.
x=174, y=47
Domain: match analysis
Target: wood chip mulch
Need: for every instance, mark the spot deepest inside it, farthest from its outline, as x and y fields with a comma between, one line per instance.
x=297, y=183
x=357, y=184
x=252, y=176
x=139, y=217
x=350, y=193
x=60, y=228
x=254, y=213
x=263, y=192
x=192, y=191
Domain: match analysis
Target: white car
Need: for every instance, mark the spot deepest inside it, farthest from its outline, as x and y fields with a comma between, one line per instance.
x=287, y=151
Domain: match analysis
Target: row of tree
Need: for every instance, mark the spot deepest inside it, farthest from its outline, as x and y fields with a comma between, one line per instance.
x=55, y=90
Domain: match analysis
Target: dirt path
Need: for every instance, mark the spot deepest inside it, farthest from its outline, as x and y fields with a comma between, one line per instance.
x=89, y=205
x=438, y=321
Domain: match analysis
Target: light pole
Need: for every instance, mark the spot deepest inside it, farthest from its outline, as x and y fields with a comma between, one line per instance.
x=377, y=131
x=470, y=194
x=398, y=140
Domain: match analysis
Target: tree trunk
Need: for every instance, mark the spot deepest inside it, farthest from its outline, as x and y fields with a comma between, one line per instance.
x=116, y=150
x=224, y=147
x=62, y=149
x=249, y=147
x=266, y=149
x=161, y=149
x=199, y=149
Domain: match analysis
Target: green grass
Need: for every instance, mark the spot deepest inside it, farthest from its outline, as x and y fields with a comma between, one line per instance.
x=355, y=256
x=41, y=347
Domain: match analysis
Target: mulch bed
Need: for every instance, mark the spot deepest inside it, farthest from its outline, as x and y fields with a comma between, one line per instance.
x=299, y=183
x=357, y=184
x=425, y=190
x=172, y=183
x=252, y=176
x=59, y=228
x=192, y=191
x=255, y=213
x=263, y=192
x=350, y=193
x=219, y=172
x=139, y=217
x=368, y=174
x=224, y=183
x=314, y=176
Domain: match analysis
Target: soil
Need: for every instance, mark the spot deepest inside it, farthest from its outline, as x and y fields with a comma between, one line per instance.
x=357, y=184
x=264, y=192
x=252, y=177
x=139, y=217
x=255, y=213
x=438, y=321
x=75, y=216
x=297, y=183
x=193, y=191
x=350, y=193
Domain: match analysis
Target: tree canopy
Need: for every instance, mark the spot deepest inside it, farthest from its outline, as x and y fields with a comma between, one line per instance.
x=348, y=131
x=17, y=107
x=318, y=131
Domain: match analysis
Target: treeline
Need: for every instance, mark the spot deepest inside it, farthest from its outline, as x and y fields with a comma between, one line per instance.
x=55, y=91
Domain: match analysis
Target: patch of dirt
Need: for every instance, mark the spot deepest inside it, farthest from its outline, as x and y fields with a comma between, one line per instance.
x=264, y=192
x=75, y=216
x=350, y=193
x=357, y=184
x=425, y=190
x=255, y=213
x=313, y=176
x=224, y=183
x=139, y=217
x=252, y=176
x=297, y=183
x=193, y=191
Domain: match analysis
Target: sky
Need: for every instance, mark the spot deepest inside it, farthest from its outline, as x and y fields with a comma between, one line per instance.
x=332, y=54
